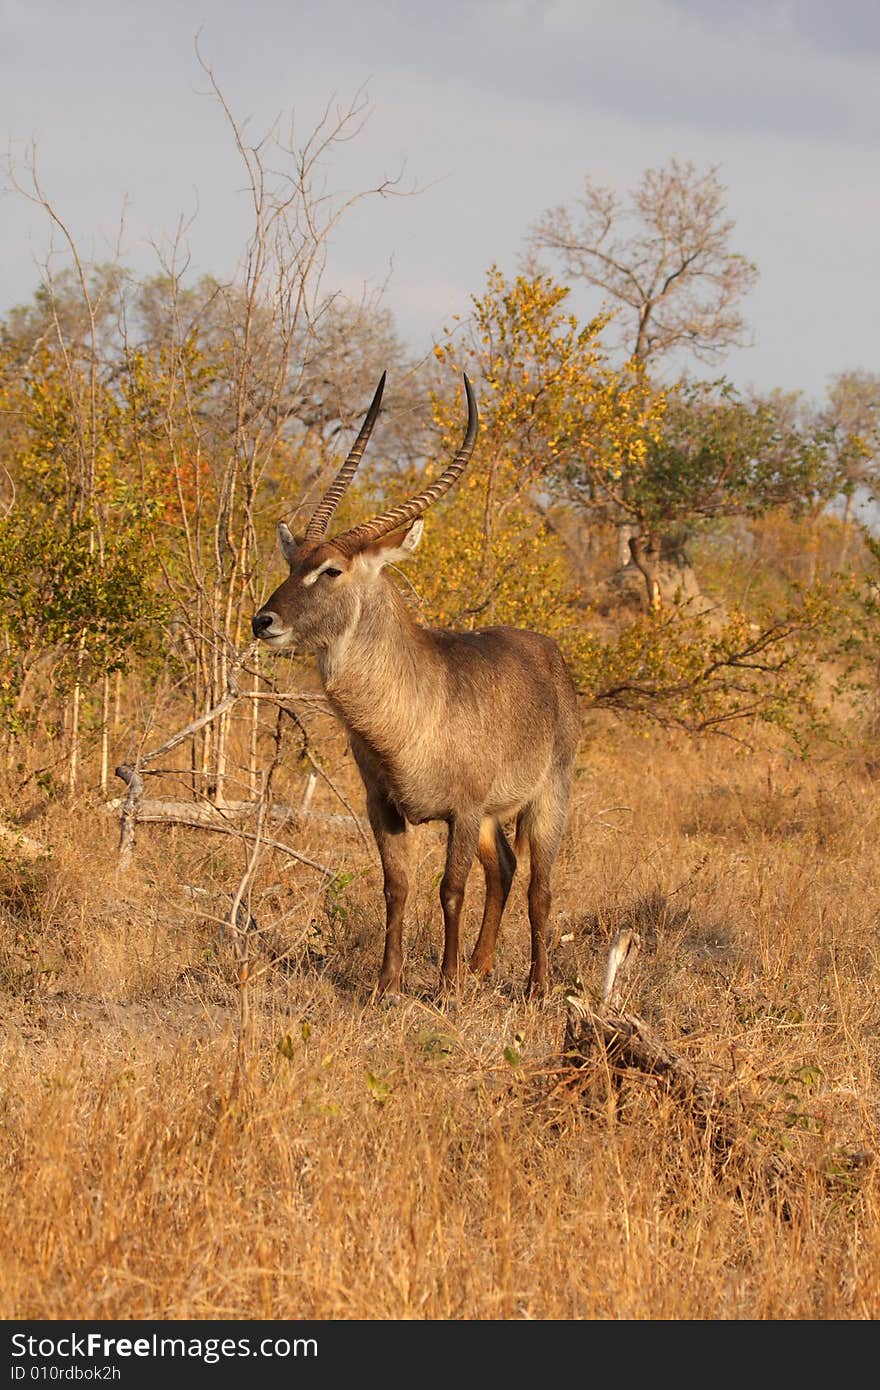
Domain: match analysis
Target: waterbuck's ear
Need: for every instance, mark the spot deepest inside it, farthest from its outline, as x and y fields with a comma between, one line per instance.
x=393, y=548
x=287, y=541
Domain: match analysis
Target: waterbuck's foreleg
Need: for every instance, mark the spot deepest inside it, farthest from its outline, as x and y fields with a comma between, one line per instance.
x=499, y=865
x=461, y=847
x=392, y=840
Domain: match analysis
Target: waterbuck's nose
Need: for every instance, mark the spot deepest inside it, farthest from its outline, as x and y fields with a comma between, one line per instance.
x=261, y=622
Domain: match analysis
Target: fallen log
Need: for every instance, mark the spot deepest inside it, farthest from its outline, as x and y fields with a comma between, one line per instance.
x=200, y=816
x=206, y=813
x=605, y=1046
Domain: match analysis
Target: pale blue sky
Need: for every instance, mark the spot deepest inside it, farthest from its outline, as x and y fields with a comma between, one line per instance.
x=496, y=109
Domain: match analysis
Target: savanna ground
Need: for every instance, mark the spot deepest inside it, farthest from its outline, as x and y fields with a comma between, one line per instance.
x=402, y=1160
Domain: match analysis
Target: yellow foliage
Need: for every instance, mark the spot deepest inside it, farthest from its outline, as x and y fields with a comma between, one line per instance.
x=556, y=419
x=549, y=405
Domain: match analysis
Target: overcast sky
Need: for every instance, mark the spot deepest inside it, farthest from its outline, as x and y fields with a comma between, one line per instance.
x=495, y=110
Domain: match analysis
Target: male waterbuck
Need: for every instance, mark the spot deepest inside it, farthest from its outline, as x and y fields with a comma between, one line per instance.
x=469, y=728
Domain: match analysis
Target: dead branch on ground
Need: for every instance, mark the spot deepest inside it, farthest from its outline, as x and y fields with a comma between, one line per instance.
x=605, y=1046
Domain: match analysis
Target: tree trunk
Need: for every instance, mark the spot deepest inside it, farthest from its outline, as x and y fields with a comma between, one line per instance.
x=626, y=530
x=105, y=731
x=845, y=529
x=253, y=771
x=645, y=551
x=73, y=756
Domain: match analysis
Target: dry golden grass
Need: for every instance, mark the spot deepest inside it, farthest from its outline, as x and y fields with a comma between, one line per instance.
x=387, y=1161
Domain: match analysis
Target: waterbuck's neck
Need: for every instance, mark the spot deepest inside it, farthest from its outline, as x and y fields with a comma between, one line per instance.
x=382, y=673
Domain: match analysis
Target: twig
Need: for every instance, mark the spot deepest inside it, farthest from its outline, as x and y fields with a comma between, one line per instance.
x=233, y=693
x=133, y=775
x=292, y=714
x=241, y=937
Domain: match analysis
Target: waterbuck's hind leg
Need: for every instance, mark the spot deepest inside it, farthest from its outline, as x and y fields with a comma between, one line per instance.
x=542, y=823
x=461, y=847
x=392, y=841
x=499, y=866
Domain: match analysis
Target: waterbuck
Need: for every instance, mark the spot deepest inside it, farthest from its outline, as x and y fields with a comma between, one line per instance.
x=470, y=728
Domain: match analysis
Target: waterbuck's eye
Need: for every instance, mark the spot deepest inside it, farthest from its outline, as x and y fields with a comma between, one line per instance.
x=330, y=572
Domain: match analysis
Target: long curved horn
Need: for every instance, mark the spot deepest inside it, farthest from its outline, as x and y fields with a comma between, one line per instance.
x=382, y=525
x=317, y=527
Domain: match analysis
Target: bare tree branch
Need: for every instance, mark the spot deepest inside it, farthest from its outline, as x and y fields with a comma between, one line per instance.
x=664, y=256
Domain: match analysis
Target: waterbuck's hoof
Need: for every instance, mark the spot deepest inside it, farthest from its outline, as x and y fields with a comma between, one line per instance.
x=388, y=986
x=447, y=991
x=481, y=967
x=536, y=990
